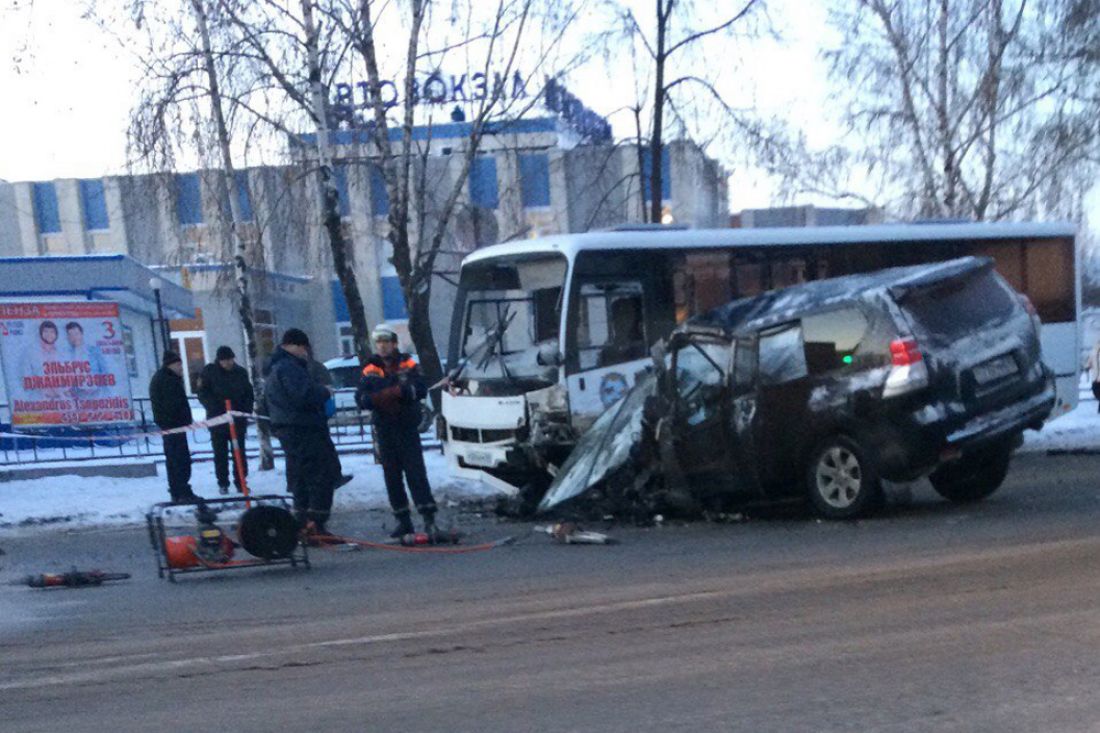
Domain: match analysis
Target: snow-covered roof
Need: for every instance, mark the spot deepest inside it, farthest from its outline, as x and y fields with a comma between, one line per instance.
x=570, y=244
x=114, y=277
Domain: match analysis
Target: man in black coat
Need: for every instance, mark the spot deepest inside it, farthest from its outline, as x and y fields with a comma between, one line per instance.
x=296, y=407
x=391, y=388
x=220, y=381
x=172, y=410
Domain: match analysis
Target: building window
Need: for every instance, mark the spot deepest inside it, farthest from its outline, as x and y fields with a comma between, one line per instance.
x=340, y=176
x=45, y=208
x=483, y=182
x=191, y=345
x=534, y=175
x=263, y=322
x=94, y=203
x=345, y=338
x=379, y=196
x=244, y=196
x=393, y=299
x=188, y=199
x=128, y=350
x=666, y=177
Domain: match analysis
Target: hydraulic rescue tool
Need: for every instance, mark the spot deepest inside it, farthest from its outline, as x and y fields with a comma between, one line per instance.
x=72, y=579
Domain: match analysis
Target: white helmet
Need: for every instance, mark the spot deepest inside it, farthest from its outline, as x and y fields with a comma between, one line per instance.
x=383, y=332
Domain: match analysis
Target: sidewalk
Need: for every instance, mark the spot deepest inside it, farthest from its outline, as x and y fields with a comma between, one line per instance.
x=72, y=502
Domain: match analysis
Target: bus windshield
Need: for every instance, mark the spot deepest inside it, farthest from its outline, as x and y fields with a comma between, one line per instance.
x=511, y=307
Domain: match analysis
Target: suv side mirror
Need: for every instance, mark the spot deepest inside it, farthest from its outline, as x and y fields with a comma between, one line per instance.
x=549, y=355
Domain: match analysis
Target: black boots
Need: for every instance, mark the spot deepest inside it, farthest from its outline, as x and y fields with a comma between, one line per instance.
x=404, y=524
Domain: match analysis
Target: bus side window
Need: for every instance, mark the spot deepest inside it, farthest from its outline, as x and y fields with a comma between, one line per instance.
x=610, y=324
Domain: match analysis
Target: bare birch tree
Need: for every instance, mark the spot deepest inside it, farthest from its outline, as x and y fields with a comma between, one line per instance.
x=670, y=41
x=296, y=58
x=976, y=109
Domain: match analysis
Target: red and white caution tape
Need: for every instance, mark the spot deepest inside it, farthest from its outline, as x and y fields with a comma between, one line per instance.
x=193, y=427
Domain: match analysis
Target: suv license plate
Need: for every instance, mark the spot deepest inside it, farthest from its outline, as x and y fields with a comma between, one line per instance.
x=480, y=458
x=995, y=369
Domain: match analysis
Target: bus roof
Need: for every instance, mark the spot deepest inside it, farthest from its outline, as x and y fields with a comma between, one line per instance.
x=570, y=244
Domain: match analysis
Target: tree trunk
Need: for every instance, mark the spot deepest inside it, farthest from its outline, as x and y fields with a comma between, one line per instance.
x=240, y=251
x=640, y=152
x=664, y=15
x=330, y=195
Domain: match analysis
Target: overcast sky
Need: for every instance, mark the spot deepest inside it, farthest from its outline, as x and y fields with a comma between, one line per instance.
x=67, y=99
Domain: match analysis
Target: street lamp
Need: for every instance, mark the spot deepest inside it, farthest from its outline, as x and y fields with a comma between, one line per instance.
x=162, y=323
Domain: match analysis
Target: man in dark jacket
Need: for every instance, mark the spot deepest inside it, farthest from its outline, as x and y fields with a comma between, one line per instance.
x=220, y=381
x=391, y=387
x=172, y=410
x=296, y=406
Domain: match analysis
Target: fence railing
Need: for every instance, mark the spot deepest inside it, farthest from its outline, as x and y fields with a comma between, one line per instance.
x=350, y=429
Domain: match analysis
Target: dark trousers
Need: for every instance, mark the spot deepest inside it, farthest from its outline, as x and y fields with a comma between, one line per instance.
x=221, y=441
x=177, y=464
x=310, y=461
x=399, y=451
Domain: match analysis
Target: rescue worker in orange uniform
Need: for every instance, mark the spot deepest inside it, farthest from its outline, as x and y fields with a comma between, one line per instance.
x=391, y=388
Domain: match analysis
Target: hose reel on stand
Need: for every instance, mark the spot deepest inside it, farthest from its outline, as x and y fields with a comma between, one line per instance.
x=266, y=530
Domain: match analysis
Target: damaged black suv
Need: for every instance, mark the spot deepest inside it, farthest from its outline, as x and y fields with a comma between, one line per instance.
x=823, y=390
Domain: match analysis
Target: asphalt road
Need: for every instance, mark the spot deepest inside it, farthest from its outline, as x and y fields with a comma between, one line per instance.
x=931, y=617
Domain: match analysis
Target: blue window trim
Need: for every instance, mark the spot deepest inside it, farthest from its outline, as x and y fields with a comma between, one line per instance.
x=93, y=201
x=534, y=174
x=483, y=182
x=46, y=214
x=339, y=303
x=379, y=196
x=393, y=300
x=188, y=199
x=340, y=175
x=666, y=175
x=244, y=196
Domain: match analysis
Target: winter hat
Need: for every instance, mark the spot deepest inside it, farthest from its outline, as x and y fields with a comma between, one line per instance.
x=382, y=332
x=295, y=337
x=224, y=352
x=170, y=358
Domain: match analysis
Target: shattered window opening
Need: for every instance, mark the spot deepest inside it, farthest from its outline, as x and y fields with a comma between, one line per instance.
x=782, y=355
x=699, y=375
x=832, y=338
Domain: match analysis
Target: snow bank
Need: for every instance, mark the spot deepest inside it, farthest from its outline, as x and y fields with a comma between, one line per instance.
x=1075, y=431
x=72, y=502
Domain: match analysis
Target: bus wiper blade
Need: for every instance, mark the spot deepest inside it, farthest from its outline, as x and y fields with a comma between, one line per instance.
x=497, y=337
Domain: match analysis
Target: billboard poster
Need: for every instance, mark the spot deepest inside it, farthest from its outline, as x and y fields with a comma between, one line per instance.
x=64, y=364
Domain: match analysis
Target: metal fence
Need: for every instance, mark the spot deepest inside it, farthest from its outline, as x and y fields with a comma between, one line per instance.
x=350, y=429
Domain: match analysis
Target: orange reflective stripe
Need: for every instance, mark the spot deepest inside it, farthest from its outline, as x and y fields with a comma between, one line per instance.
x=407, y=364
x=370, y=370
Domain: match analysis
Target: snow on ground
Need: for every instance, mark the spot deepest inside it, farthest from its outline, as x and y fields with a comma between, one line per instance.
x=1078, y=430
x=71, y=502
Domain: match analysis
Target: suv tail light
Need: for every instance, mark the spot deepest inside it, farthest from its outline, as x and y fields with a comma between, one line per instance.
x=905, y=352
x=1031, y=311
x=909, y=372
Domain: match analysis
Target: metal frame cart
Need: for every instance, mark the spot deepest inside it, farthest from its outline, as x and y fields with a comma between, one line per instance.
x=270, y=536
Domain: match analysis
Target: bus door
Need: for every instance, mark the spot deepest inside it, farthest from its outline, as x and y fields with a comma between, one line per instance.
x=611, y=346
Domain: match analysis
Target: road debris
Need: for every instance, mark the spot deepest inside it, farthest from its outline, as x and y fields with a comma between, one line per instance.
x=568, y=533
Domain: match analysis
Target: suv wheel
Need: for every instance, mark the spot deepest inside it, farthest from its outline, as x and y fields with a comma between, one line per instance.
x=973, y=478
x=841, y=479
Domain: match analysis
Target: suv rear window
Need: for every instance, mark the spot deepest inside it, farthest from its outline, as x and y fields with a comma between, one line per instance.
x=831, y=339
x=958, y=307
